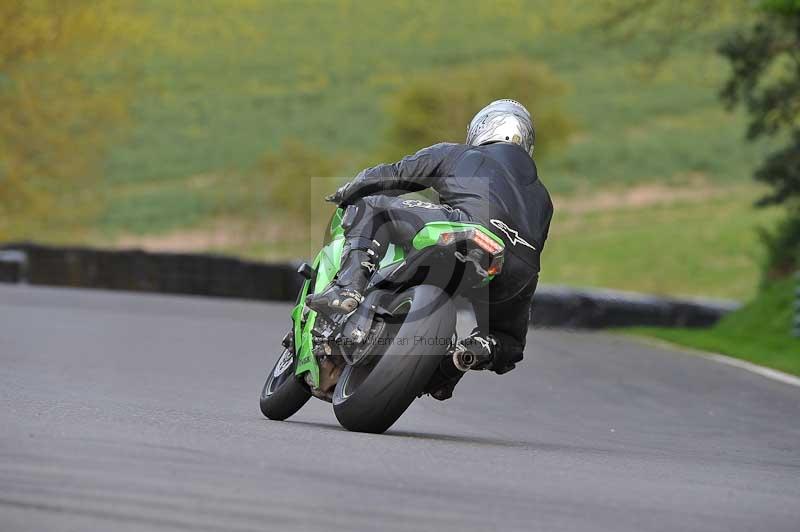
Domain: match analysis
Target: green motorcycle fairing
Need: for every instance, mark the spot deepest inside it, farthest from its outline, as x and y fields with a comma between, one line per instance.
x=326, y=265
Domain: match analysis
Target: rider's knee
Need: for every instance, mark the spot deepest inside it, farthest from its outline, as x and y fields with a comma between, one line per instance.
x=350, y=216
x=363, y=212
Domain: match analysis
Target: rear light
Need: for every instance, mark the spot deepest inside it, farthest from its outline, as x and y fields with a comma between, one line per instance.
x=494, y=269
x=483, y=241
x=486, y=243
x=448, y=238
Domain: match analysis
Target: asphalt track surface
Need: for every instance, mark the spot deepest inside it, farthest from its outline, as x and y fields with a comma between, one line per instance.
x=132, y=412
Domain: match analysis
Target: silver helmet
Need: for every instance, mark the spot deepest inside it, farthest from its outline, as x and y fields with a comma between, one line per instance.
x=502, y=121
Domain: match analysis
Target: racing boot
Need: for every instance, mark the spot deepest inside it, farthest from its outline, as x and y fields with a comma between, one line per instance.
x=444, y=380
x=346, y=291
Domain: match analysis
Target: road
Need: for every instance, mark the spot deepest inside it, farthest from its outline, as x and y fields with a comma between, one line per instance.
x=139, y=412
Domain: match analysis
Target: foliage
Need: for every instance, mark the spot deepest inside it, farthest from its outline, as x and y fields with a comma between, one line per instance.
x=438, y=105
x=760, y=332
x=765, y=79
x=55, y=125
x=783, y=247
x=786, y=7
x=293, y=177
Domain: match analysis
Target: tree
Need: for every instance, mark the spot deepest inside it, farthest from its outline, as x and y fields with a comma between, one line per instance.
x=765, y=79
x=55, y=121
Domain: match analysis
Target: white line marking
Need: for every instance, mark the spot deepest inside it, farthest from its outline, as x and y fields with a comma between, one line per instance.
x=769, y=373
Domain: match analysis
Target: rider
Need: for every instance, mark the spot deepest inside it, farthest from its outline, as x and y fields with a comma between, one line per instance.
x=491, y=180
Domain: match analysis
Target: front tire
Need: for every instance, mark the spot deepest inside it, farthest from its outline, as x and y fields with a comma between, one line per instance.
x=372, y=398
x=283, y=394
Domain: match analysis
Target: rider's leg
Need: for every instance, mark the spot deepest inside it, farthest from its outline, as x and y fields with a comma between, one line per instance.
x=345, y=293
x=364, y=247
x=370, y=224
x=444, y=379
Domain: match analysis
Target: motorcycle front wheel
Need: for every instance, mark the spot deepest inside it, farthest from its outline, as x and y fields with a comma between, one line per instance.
x=283, y=394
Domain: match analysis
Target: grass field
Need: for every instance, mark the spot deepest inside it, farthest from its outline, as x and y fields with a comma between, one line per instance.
x=226, y=82
x=759, y=332
x=323, y=70
x=703, y=244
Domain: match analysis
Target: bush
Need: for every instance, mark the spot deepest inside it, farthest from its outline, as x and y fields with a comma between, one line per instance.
x=296, y=178
x=783, y=247
x=438, y=106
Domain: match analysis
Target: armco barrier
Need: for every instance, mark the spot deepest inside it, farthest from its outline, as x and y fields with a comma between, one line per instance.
x=596, y=308
x=220, y=276
x=13, y=266
x=173, y=273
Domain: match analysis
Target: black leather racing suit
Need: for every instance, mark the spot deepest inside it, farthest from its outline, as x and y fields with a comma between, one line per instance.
x=495, y=185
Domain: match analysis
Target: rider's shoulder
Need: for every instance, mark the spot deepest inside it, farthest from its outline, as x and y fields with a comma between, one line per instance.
x=446, y=146
x=440, y=151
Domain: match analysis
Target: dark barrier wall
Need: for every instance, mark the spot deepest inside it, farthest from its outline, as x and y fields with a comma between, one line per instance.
x=10, y=271
x=556, y=306
x=220, y=276
x=140, y=271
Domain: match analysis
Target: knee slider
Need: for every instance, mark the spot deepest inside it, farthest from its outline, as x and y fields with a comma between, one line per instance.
x=349, y=216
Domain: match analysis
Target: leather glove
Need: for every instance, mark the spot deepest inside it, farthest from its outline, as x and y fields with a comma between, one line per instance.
x=338, y=196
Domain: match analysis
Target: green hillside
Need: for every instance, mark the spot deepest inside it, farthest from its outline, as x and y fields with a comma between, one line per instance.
x=224, y=83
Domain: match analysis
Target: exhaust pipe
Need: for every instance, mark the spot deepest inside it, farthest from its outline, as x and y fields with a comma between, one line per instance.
x=464, y=360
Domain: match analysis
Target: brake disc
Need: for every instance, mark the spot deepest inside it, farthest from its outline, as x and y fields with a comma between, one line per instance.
x=358, y=353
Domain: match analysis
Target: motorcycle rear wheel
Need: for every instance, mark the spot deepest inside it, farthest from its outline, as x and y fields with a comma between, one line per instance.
x=371, y=397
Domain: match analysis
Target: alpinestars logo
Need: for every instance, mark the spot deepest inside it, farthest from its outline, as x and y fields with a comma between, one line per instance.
x=512, y=234
x=412, y=203
x=484, y=343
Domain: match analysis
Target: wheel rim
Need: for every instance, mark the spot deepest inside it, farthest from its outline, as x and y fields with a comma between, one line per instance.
x=284, y=363
x=280, y=372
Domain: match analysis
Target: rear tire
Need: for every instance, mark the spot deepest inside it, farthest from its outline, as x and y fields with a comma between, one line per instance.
x=372, y=400
x=283, y=394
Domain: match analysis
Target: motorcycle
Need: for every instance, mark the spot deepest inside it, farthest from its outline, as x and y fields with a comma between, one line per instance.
x=372, y=363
